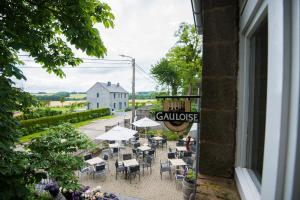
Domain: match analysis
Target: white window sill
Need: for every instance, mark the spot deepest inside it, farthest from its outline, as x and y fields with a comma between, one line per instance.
x=245, y=185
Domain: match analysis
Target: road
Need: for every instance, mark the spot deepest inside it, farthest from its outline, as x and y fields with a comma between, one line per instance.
x=97, y=127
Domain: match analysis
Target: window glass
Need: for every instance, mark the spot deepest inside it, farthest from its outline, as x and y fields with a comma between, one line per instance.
x=97, y=94
x=258, y=72
x=97, y=105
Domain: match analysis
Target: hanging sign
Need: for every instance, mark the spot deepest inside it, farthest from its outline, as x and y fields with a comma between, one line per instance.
x=176, y=113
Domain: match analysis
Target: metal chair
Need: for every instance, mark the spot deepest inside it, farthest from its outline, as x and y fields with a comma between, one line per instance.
x=106, y=157
x=133, y=171
x=99, y=170
x=171, y=155
x=87, y=157
x=119, y=168
x=165, y=167
x=127, y=156
x=147, y=163
x=85, y=170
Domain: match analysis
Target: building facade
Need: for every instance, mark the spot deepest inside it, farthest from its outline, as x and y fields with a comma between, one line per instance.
x=250, y=95
x=107, y=95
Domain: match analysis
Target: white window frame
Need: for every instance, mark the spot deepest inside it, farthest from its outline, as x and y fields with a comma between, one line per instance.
x=282, y=99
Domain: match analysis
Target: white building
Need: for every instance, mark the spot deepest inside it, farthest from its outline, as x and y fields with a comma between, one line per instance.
x=107, y=95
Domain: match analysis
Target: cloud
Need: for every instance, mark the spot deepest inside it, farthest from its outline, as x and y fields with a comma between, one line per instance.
x=144, y=29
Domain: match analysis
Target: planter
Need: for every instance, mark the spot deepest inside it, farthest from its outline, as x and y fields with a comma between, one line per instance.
x=187, y=189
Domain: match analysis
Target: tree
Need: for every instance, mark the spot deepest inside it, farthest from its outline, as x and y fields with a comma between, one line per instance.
x=182, y=67
x=45, y=30
x=54, y=153
x=167, y=74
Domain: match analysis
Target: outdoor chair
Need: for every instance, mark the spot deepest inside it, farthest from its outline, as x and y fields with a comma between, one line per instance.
x=136, y=145
x=133, y=171
x=106, y=151
x=87, y=157
x=127, y=156
x=99, y=170
x=151, y=153
x=189, y=161
x=134, y=140
x=119, y=168
x=187, y=154
x=153, y=147
x=165, y=167
x=85, y=170
x=134, y=152
x=179, y=175
x=115, y=151
x=163, y=142
x=106, y=157
x=171, y=155
x=147, y=163
x=180, y=143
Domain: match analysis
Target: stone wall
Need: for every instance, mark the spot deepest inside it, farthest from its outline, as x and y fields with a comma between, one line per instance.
x=219, y=87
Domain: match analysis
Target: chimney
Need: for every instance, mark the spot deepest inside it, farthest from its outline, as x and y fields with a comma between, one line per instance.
x=118, y=84
x=108, y=83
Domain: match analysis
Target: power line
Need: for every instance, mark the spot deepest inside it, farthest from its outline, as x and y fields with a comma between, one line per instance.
x=83, y=58
x=148, y=75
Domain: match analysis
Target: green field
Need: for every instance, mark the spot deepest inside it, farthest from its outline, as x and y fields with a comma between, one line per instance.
x=27, y=138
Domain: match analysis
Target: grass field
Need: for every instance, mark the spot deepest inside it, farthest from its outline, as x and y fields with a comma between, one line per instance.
x=27, y=138
x=77, y=96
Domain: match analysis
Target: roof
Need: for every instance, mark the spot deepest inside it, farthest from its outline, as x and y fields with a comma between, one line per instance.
x=113, y=87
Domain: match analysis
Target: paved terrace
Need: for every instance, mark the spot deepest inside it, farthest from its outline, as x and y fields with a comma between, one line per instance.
x=149, y=187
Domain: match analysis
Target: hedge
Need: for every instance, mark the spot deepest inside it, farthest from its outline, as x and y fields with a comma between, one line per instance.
x=39, y=124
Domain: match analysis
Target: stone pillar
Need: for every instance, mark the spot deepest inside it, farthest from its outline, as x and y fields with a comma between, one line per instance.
x=219, y=87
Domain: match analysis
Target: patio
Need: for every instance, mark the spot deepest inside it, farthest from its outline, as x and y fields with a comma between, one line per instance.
x=150, y=186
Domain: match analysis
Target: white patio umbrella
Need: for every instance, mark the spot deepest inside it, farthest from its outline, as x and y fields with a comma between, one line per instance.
x=117, y=133
x=145, y=123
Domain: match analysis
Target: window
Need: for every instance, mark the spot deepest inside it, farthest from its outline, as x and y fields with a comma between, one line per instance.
x=97, y=105
x=121, y=95
x=97, y=95
x=120, y=105
x=114, y=95
x=124, y=95
x=114, y=105
x=124, y=104
x=258, y=71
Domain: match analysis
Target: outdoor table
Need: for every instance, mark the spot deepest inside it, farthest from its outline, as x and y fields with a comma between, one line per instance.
x=94, y=161
x=157, y=138
x=181, y=149
x=129, y=163
x=115, y=145
x=144, y=148
x=177, y=162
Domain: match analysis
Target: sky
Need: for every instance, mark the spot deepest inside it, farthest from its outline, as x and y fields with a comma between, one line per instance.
x=144, y=29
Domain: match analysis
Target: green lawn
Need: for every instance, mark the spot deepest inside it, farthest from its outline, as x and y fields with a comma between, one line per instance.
x=27, y=138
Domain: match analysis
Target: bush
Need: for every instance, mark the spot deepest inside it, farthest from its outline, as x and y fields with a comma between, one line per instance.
x=39, y=124
x=40, y=112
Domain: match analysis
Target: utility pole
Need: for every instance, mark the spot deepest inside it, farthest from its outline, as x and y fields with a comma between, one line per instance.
x=133, y=89
x=133, y=85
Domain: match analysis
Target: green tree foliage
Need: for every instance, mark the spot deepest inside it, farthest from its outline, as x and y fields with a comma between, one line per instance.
x=54, y=154
x=182, y=66
x=45, y=30
x=167, y=74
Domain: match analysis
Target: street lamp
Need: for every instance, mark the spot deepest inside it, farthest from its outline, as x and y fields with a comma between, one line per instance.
x=133, y=84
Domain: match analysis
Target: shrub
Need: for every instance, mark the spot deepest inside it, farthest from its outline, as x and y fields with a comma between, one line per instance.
x=39, y=124
x=40, y=112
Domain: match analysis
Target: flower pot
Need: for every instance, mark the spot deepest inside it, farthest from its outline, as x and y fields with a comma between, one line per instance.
x=187, y=189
